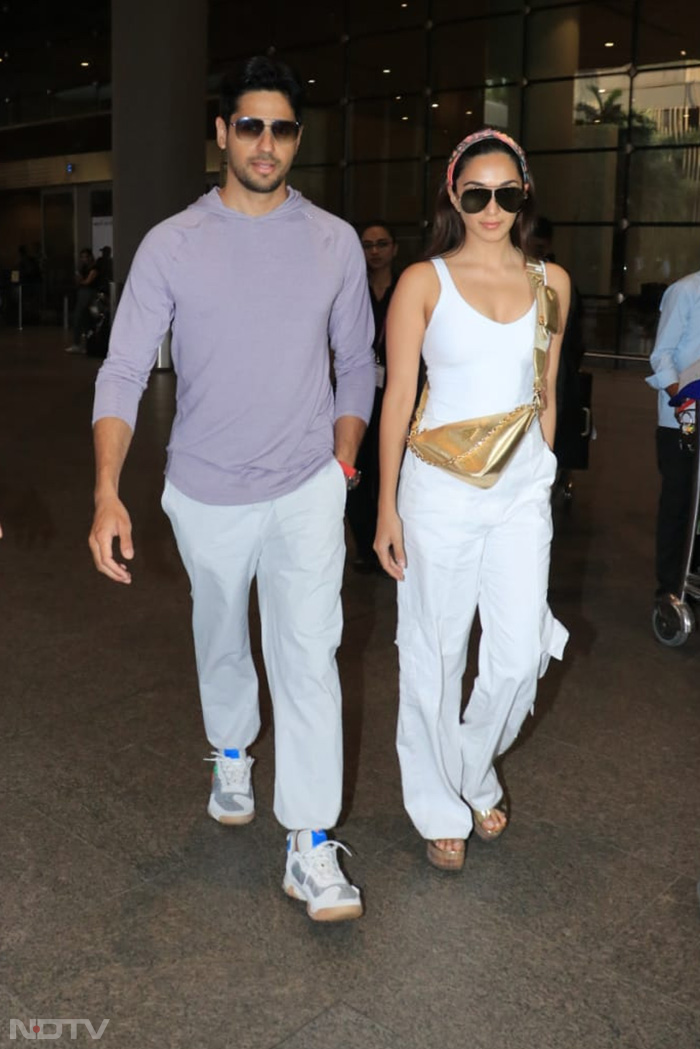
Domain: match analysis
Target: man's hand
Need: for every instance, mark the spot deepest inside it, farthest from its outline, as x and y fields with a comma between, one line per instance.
x=111, y=522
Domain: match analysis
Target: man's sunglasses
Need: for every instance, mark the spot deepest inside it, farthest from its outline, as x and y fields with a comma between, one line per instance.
x=510, y=198
x=249, y=129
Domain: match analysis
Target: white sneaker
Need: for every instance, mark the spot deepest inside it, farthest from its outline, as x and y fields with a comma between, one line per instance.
x=231, y=800
x=313, y=875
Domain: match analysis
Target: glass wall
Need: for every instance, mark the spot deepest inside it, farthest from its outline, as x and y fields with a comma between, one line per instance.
x=604, y=95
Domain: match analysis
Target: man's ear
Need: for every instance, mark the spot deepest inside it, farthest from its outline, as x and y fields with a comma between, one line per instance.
x=220, y=133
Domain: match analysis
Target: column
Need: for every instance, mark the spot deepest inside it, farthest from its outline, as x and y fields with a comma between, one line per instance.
x=159, y=64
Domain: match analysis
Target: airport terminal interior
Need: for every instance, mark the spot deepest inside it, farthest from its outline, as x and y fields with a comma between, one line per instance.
x=120, y=899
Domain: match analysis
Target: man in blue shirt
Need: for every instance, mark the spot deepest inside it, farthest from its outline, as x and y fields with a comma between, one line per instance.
x=677, y=347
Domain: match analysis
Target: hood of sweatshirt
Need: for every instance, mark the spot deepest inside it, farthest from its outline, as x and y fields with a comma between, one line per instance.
x=212, y=203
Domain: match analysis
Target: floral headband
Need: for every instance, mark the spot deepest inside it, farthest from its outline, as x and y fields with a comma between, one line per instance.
x=481, y=136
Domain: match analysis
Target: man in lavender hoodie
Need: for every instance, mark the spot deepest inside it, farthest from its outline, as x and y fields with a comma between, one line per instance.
x=256, y=282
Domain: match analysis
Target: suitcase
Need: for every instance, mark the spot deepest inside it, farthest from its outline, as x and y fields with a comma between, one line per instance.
x=575, y=423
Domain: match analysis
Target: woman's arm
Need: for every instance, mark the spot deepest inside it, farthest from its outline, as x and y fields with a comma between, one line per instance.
x=409, y=312
x=558, y=278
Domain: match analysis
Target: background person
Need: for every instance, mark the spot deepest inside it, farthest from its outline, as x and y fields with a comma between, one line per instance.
x=453, y=546
x=380, y=247
x=257, y=282
x=86, y=281
x=677, y=346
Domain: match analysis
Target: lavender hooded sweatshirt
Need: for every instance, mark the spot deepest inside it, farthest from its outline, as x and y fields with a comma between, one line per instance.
x=254, y=304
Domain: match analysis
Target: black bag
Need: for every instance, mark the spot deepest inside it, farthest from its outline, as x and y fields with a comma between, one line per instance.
x=575, y=424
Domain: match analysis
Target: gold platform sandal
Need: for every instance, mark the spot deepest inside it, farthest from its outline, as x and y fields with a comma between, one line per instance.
x=481, y=815
x=446, y=859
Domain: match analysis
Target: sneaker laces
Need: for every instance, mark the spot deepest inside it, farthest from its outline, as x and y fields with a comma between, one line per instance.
x=323, y=862
x=233, y=772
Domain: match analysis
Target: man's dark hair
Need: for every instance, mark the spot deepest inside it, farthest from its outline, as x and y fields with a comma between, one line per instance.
x=260, y=74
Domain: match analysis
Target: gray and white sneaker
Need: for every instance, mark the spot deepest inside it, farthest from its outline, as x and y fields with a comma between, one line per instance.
x=313, y=875
x=231, y=800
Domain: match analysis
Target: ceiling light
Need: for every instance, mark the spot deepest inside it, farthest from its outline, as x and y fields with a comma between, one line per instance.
x=398, y=98
x=684, y=53
x=609, y=43
x=310, y=81
x=435, y=105
x=386, y=70
x=404, y=118
x=84, y=64
x=469, y=113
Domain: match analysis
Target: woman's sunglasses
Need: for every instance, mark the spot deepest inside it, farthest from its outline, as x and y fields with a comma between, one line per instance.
x=510, y=198
x=249, y=129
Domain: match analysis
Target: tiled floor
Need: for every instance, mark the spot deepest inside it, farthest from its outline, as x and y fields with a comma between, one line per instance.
x=120, y=899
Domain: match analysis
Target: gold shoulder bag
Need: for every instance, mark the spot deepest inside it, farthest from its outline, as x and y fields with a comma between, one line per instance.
x=477, y=450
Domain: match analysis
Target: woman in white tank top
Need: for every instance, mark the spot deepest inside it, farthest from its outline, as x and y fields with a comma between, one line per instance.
x=451, y=546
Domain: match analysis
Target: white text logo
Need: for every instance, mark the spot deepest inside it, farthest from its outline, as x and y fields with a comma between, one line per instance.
x=37, y=1029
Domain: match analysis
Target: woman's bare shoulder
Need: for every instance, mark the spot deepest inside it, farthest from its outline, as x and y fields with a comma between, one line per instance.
x=419, y=273
x=558, y=278
x=419, y=280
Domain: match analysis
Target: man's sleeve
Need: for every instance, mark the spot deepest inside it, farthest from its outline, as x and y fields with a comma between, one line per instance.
x=144, y=315
x=675, y=312
x=351, y=331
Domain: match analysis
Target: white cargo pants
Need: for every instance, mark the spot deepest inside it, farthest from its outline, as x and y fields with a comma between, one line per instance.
x=467, y=547
x=295, y=547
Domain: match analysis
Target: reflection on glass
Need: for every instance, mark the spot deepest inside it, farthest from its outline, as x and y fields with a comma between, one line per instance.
x=390, y=64
x=323, y=20
x=436, y=176
x=484, y=51
x=371, y=16
x=453, y=9
x=586, y=253
x=658, y=255
x=394, y=191
x=666, y=105
x=322, y=186
x=665, y=185
x=322, y=138
x=454, y=114
x=569, y=40
x=586, y=113
x=387, y=128
x=235, y=32
x=600, y=324
x=320, y=70
x=577, y=187
x=668, y=32
x=618, y=6
x=411, y=247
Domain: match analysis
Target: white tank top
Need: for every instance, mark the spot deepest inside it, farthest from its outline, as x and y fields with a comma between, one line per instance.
x=476, y=366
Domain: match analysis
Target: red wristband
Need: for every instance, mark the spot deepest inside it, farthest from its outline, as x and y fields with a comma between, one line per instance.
x=352, y=475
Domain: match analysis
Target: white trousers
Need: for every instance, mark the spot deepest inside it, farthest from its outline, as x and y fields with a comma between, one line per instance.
x=295, y=547
x=468, y=547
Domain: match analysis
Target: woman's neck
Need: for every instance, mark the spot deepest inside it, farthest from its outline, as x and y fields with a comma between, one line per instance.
x=490, y=256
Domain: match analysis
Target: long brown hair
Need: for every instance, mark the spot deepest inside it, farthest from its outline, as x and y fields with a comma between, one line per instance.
x=448, y=233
